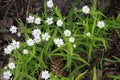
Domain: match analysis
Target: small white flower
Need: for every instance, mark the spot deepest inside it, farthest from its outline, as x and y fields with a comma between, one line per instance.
x=13, y=29
x=67, y=33
x=75, y=9
x=37, y=39
x=36, y=32
x=58, y=41
x=30, y=42
x=74, y=45
x=7, y=75
x=88, y=34
x=15, y=44
x=6, y=67
x=72, y=39
x=59, y=23
x=45, y=36
x=50, y=3
x=25, y=51
x=8, y=49
x=11, y=65
x=11, y=59
x=100, y=24
x=49, y=21
x=45, y=75
x=30, y=19
x=18, y=34
x=85, y=9
x=37, y=20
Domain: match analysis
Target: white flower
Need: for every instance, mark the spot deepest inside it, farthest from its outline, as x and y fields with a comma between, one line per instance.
x=50, y=3
x=37, y=39
x=7, y=75
x=30, y=42
x=67, y=33
x=13, y=29
x=8, y=49
x=58, y=41
x=49, y=21
x=11, y=65
x=18, y=34
x=75, y=9
x=45, y=75
x=74, y=45
x=15, y=44
x=85, y=9
x=11, y=59
x=6, y=67
x=25, y=51
x=45, y=36
x=37, y=20
x=30, y=19
x=100, y=24
x=36, y=32
x=88, y=34
x=72, y=39
x=59, y=23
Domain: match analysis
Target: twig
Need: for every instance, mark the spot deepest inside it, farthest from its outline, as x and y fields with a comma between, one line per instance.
x=28, y=6
x=8, y=9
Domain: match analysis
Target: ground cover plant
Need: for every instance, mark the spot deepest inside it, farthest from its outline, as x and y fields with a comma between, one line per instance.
x=67, y=42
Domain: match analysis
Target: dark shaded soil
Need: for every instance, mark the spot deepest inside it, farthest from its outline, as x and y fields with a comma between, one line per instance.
x=12, y=9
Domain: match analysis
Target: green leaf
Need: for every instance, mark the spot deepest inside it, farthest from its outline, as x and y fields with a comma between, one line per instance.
x=79, y=77
x=23, y=75
x=57, y=12
x=71, y=12
x=118, y=59
x=115, y=77
x=82, y=60
x=94, y=73
x=118, y=17
x=75, y=71
x=109, y=60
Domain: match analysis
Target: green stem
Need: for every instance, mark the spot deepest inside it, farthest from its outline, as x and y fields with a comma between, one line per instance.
x=94, y=25
x=45, y=9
